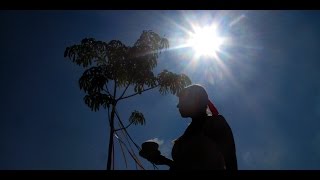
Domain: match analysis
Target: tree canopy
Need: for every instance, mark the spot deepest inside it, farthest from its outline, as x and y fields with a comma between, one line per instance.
x=113, y=66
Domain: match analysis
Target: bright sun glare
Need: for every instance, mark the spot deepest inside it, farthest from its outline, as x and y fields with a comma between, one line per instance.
x=205, y=41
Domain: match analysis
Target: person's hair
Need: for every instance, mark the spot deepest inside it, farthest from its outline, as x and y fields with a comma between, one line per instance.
x=196, y=91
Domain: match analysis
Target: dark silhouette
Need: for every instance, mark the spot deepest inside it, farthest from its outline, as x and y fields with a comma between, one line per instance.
x=207, y=143
x=112, y=67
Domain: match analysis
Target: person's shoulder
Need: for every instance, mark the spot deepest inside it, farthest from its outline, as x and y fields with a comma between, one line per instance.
x=211, y=122
x=213, y=119
x=216, y=122
x=221, y=117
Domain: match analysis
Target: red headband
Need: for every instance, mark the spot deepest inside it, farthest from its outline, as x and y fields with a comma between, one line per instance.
x=213, y=109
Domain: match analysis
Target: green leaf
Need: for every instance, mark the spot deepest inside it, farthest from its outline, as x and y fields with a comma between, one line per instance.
x=96, y=100
x=94, y=79
x=114, y=61
x=171, y=82
x=85, y=53
x=137, y=118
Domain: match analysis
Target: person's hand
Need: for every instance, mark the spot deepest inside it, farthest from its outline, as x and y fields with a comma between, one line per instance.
x=160, y=160
x=151, y=155
x=154, y=157
x=150, y=152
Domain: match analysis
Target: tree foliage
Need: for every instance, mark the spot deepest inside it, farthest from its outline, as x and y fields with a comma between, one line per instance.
x=125, y=65
x=113, y=66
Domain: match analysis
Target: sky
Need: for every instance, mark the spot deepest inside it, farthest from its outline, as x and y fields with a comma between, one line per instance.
x=265, y=84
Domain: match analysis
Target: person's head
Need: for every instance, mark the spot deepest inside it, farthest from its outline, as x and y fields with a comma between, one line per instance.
x=193, y=101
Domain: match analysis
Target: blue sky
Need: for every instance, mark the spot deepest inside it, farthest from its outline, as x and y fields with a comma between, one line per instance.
x=267, y=88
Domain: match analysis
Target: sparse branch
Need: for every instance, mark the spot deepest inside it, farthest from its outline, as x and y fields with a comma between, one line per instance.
x=115, y=89
x=125, y=130
x=106, y=91
x=123, y=127
x=124, y=91
x=126, y=135
x=107, y=88
x=109, y=118
x=132, y=155
x=123, y=154
x=138, y=92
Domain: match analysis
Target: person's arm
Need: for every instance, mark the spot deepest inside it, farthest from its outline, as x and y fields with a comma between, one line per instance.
x=162, y=160
x=157, y=158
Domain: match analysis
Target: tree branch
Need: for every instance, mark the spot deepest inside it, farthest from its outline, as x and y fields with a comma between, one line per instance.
x=124, y=127
x=125, y=130
x=138, y=92
x=132, y=155
x=126, y=134
x=123, y=154
x=115, y=89
x=107, y=90
x=124, y=91
x=109, y=118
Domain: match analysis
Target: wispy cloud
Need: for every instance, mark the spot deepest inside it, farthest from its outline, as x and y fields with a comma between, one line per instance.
x=158, y=141
x=236, y=20
x=263, y=159
x=165, y=146
x=268, y=155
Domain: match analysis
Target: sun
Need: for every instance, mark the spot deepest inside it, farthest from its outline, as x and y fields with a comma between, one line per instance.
x=205, y=41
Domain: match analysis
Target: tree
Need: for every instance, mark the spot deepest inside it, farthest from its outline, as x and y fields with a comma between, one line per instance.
x=113, y=67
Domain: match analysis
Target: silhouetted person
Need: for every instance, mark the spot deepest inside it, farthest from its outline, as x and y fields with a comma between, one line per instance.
x=207, y=143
